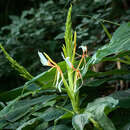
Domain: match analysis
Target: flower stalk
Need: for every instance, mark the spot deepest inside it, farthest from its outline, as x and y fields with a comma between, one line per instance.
x=71, y=84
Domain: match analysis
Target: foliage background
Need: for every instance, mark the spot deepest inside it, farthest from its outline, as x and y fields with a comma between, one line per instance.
x=29, y=26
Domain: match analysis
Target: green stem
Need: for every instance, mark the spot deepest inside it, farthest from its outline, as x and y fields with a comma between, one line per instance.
x=127, y=57
x=70, y=77
x=103, y=20
x=95, y=123
x=75, y=105
x=74, y=98
x=123, y=61
x=62, y=108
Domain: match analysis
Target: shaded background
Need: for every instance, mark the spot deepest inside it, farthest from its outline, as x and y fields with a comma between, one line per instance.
x=27, y=26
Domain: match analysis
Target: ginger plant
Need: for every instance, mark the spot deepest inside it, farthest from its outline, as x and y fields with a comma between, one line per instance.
x=71, y=84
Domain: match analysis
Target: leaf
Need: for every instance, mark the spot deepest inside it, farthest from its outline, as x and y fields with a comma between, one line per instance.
x=107, y=73
x=96, y=112
x=120, y=42
x=30, y=122
x=126, y=127
x=79, y=121
x=100, y=108
x=106, y=31
x=14, y=93
x=120, y=117
x=6, y=109
x=19, y=108
x=2, y=105
x=59, y=36
x=59, y=127
x=67, y=115
x=43, y=125
x=95, y=82
x=3, y=123
x=123, y=97
x=47, y=77
x=50, y=114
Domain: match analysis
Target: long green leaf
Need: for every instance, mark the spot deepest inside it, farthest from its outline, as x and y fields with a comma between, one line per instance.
x=120, y=42
x=100, y=108
x=123, y=97
x=96, y=112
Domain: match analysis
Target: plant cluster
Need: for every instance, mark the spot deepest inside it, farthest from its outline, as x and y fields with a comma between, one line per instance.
x=66, y=96
x=43, y=28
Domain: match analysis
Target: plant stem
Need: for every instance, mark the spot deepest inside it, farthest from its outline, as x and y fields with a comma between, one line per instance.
x=75, y=103
x=95, y=123
x=73, y=97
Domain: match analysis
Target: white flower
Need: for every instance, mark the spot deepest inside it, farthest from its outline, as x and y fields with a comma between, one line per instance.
x=58, y=77
x=84, y=48
x=59, y=86
x=43, y=60
x=67, y=60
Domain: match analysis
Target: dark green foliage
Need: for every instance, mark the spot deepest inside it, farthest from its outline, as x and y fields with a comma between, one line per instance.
x=42, y=28
x=96, y=110
x=32, y=108
x=38, y=104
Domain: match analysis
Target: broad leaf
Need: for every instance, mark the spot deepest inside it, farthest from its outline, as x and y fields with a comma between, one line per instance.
x=120, y=118
x=19, y=107
x=50, y=114
x=14, y=93
x=98, y=111
x=47, y=78
x=59, y=127
x=28, y=123
x=100, y=108
x=123, y=97
x=107, y=73
x=120, y=42
x=79, y=121
x=126, y=127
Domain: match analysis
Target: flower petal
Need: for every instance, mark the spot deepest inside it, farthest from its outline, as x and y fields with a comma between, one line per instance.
x=84, y=48
x=43, y=60
x=67, y=60
x=63, y=55
x=59, y=85
x=58, y=76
